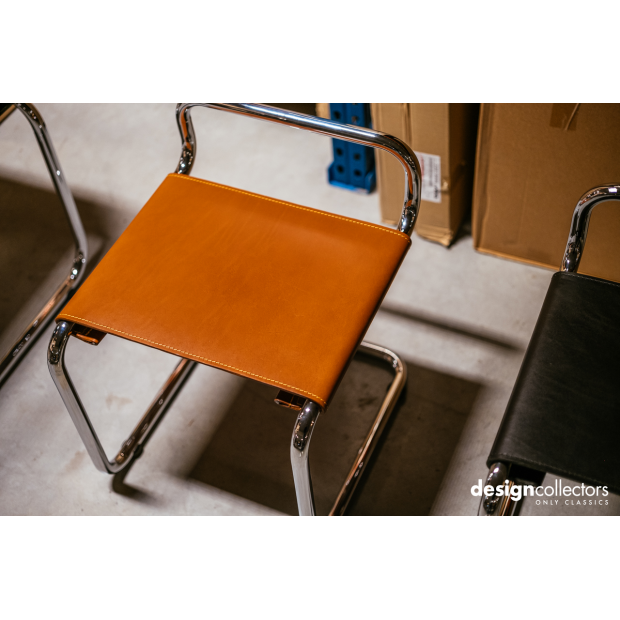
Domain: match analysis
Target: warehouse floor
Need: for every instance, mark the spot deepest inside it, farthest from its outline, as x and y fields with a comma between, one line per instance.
x=460, y=319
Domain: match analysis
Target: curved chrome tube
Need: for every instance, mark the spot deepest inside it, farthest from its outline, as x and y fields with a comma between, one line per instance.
x=370, y=443
x=300, y=444
x=581, y=220
x=350, y=133
x=306, y=421
x=58, y=178
x=504, y=505
x=490, y=505
x=77, y=230
x=131, y=448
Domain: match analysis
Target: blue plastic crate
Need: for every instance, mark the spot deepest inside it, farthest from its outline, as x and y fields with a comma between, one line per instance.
x=354, y=165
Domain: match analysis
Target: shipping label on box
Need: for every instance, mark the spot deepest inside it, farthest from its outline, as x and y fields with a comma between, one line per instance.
x=443, y=136
x=431, y=176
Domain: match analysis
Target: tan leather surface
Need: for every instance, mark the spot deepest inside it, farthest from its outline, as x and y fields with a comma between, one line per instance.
x=256, y=286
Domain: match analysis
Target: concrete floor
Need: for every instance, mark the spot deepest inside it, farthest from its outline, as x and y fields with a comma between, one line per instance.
x=460, y=319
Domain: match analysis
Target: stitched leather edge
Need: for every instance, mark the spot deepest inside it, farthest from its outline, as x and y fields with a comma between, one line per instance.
x=168, y=348
x=583, y=276
x=551, y=469
x=290, y=204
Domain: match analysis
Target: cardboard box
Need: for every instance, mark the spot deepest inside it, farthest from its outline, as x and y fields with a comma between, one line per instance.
x=443, y=135
x=322, y=109
x=534, y=162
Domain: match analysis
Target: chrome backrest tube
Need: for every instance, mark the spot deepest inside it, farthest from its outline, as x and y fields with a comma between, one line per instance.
x=349, y=133
x=581, y=220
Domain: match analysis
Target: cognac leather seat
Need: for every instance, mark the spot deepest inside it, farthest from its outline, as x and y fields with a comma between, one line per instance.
x=259, y=287
x=564, y=413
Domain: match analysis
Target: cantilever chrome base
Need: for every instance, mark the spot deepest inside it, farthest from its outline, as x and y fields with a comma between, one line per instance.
x=28, y=336
x=132, y=447
x=306, y=421
x=302, y=432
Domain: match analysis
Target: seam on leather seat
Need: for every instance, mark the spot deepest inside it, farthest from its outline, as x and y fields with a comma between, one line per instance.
x=289, y=204
x=168, y=348
x=583, y=276
x=526, y=462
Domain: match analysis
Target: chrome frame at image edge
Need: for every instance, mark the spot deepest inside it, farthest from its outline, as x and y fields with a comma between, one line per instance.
x=62, y=293
x=310, y=410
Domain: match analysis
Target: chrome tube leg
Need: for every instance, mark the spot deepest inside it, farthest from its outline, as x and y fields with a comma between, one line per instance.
x=494, y=504
x=131, y=448
x=58, y=179
x=300, y=445
x=77, y=269
x=387, y=406
x=56, y=364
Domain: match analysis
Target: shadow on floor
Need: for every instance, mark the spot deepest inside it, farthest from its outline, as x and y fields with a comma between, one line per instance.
x=249, y=453
x=456, y=328
x=36, y=251
x=414, y=453
x=119, y=485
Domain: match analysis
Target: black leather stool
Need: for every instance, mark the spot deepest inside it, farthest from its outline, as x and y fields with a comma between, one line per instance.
x=563, y=416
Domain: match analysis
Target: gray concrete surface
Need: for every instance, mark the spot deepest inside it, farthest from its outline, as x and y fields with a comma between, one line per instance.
x=461, y=320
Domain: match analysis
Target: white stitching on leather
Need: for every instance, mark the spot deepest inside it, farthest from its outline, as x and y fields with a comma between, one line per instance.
x=289, y=204
x=167, y=348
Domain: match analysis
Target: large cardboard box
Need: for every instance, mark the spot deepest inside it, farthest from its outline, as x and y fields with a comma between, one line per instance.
x=534, y=162
x=443, y=135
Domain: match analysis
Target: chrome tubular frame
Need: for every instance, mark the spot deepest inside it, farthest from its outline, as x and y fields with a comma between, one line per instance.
x=306, y=420
x=76, y=272
x=300, y=445
x=581, y=220
x=350, y=133
x=132, y=447
x=378, y=426
x=495, y=505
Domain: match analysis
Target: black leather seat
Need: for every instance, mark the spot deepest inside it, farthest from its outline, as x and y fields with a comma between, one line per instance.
x=564, y=413
x=563, y=416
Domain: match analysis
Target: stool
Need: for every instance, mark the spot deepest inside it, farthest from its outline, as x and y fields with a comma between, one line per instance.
x=11, y=357
x=262, y=288
x=563, y=416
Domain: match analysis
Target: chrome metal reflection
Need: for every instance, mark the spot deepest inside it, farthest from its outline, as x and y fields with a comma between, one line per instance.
x=496, y=504
x=580, y=222
x=367, y=448
x=497, y=476
x=77, y=230
x=300, y=445
x=131, y=448
x=349, y=133
x=306, y=421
